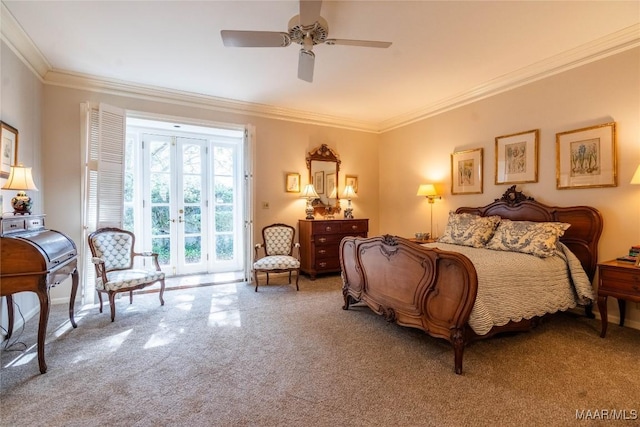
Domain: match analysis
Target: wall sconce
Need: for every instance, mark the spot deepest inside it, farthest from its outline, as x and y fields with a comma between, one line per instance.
x=636, y=180
x=349, y=193
x=429, y=191
x=20, y=179
x=309, y=193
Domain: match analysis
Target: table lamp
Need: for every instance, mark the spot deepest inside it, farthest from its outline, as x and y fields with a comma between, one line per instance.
x=309, y=193
x=20, y=179
x=349, y=193
x=429, y=191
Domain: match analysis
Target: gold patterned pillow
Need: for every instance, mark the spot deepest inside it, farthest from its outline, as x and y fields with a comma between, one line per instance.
x=469, y=230
x=536, y=238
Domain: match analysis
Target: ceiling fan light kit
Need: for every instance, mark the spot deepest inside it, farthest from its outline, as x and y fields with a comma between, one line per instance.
x=306, y=29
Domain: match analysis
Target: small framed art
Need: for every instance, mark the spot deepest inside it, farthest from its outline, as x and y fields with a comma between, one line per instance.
x=318, y=182
x=351, y=180
x=466, y=172
x=586, y=158
x=517, y=158
x=293, y=183
x=8, y=149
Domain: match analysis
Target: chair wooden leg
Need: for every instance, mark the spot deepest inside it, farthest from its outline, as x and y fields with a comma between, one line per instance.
x=130, y=297
x=255, y=278
x=112, y=303
x=267, y=277
x=297, y=277
x=161, y=292
x=100, y=299
x=289, y=276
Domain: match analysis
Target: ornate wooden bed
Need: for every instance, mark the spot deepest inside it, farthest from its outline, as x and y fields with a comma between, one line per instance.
x=435, y=290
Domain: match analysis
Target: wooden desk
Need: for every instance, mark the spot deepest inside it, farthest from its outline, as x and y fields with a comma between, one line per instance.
x=620, y=280
x=33, y=259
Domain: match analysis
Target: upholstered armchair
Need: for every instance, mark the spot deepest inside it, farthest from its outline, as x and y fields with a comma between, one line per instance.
x=279, y=257
x=113, y=255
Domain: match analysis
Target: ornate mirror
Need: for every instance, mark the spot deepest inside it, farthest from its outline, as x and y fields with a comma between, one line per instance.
x=324, y=168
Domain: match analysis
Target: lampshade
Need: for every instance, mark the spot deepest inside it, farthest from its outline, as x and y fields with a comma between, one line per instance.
x=309, y=192
x=20, y=179
x=349, y=193
x=636, y=177
x=427, y=190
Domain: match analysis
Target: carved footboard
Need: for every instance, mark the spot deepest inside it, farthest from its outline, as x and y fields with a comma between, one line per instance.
x=423, y=288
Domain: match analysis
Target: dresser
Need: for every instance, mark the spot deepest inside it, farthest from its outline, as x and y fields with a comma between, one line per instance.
x=620, y=280
x=35, y=259
x=320, y=243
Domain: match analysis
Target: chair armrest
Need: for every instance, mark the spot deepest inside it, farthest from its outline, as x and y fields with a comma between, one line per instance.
x=149, y=254
x=297, y=246
x=256, y=248
x=100, y=270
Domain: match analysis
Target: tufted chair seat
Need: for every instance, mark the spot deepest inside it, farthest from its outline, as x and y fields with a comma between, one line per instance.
x=113, y=258
x=279, y=254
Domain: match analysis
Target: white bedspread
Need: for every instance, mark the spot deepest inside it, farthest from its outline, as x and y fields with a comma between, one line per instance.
x=516, y=286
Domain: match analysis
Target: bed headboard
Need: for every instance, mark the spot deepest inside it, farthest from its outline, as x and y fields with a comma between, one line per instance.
x=581, y=238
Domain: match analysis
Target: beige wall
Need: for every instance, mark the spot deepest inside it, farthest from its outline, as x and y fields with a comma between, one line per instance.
x=604, y=91
x=281, y=147
x=20, y=107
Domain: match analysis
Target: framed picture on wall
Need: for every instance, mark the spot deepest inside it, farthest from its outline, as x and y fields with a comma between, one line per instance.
x=517, y=158
x=8, y=149
x=351, y=180
x=293, y=183
x=318, y=182
x=466, y=172
x=586, y=158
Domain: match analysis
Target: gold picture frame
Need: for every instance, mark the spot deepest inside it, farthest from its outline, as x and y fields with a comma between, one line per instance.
x=517, y=158
x=292, y=183
x=586, y=157
x=8, y=148
x=466, y=172
x=351, y=180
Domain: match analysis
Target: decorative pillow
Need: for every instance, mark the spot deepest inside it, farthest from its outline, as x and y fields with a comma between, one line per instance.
x=536, y=238
x=469, y=230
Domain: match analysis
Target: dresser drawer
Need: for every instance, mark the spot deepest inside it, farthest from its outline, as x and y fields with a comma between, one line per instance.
x=327, y=251
x=327, y=239
x=326, y=227
x=328, y=264
x=353, y=227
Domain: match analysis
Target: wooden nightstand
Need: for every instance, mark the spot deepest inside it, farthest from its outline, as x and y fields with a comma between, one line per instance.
x=620, y=280
x=421, y=241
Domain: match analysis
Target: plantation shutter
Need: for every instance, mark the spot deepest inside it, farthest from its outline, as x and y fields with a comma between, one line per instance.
x=102, y=127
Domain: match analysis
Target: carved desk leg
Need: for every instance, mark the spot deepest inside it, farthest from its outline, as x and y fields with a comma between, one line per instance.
x=72, y=299
x=43, y=296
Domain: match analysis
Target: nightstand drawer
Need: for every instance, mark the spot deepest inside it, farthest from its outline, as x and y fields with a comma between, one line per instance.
x=626, y=280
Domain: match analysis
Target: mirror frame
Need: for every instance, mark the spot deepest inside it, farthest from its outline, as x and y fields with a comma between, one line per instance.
x=324, y=153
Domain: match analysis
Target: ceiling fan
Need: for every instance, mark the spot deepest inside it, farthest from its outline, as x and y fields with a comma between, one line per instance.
x=307, y=29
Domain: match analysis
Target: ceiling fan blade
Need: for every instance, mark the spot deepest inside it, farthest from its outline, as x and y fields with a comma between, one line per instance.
x=309, y=12
x=232, y=38
x=306, y=62
x=363, y=43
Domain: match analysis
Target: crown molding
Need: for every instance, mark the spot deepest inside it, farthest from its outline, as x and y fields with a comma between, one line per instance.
x=15, y=37
x=620, y=41
x=123, y=88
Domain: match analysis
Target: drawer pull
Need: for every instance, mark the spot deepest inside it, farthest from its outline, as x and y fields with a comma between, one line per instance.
x=327, y=228
x=322, y=251
x=322, y=264
x=354, y=227
x=322, y=239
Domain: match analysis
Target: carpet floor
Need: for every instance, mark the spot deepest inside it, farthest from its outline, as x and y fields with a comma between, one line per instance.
x=225, y=355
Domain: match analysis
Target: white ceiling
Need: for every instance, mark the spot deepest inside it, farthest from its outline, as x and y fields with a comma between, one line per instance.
x=443, y=54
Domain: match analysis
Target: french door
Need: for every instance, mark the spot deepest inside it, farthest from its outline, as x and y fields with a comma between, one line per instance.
x=177, y=189
x=187, y=198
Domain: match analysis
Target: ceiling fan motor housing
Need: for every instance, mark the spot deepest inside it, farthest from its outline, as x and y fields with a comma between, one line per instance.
x=317, y=32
